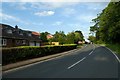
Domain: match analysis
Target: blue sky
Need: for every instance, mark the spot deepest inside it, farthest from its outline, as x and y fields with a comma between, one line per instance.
x=51, y=16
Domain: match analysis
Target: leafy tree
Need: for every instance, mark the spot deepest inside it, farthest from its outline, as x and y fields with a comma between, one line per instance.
x=107, y=24
x=43, y=36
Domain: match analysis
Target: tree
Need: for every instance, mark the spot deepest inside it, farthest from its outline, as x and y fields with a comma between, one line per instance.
x=43, y=36
x=107, y=24
x=70, y=38
x=59, y=37
x=92, y=39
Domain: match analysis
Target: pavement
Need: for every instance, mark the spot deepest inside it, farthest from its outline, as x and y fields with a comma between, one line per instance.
x=92, y=61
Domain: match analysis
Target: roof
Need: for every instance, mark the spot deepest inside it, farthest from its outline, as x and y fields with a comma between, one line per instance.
x=36, y=33
x=18, y=33
x=49, y=36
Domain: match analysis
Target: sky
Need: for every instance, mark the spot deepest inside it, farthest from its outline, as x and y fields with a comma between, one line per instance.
x=51, y=16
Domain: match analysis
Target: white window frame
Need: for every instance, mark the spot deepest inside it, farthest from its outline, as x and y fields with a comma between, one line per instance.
x=23, y=41
x=4, y=42
x=29, y=34
x=9, y=31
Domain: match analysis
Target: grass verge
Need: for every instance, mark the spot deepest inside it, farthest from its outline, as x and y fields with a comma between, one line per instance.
x=114, y=47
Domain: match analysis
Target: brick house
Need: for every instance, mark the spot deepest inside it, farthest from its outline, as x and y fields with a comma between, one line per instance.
x=12, y=37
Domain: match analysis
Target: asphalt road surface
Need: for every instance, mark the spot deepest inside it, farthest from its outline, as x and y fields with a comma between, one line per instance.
x=91, y=61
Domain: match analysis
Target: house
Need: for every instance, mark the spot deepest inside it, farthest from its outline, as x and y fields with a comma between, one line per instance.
x=55, y=43
x=49, y=36
x=12, y=37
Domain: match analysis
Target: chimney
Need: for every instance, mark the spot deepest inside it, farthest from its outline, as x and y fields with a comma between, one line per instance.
x=16, y=27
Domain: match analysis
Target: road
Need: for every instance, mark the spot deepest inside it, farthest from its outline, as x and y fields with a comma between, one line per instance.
x=92, y=61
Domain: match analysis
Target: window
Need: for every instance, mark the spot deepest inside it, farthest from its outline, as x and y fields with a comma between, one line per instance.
x=9, y=31
x=0, y=41
x=20, y=32
x=17, y=42
x=4, y=42
x=29, y=34
x=23, y=42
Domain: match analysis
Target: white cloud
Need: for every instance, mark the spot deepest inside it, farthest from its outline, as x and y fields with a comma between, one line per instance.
x=51, y=5
x=59, y=0
x=11, y=18
x=8, y=17
x=69, y=11
x=45, y=13
x=57, y=23
x=96, y=5
x=38, y=24
x=19, y=5
x=85, y=18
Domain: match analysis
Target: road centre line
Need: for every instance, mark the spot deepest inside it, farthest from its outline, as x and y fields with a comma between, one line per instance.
x=85, y=46
x=76, y=63
x=91, y=52
x=81, y=59
x=113, y=54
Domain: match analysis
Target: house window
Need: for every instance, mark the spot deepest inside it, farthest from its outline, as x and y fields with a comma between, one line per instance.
x=23, y=41
x=17, y=41
x=9, y=31
x=29, y=34
x=20, y=32
x=0, y=41
x=4, y=42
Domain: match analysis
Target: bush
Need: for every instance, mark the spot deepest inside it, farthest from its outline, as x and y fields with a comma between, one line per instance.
x=11, y=55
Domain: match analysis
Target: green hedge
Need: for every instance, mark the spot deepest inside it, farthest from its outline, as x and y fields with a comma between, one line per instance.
x=11, y=55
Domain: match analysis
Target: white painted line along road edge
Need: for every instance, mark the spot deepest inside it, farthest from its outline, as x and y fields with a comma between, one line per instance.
x=113, y=54
x=76, y=63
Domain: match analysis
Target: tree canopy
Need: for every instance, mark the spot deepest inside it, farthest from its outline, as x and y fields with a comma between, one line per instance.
x=70, y=38
x=107, y=24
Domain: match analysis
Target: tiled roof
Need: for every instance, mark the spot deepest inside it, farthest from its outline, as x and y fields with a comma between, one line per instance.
x=36, y=33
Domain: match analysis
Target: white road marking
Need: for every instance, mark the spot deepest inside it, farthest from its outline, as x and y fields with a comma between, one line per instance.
x=81, y=59
x=91, y=52
x=113, y=54
x=85, y=46
x=76, y=63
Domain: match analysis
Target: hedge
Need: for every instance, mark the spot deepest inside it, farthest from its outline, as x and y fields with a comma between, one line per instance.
x=12, y=55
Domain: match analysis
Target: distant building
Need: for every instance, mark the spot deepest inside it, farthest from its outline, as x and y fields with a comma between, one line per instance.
x=81, y=42
x=12, y=37
x=49, y=36
x=55, y=43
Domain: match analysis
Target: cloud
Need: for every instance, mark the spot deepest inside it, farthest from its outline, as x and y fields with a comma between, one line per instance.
x=60, y=0
x=11, y=18
x=8, y=17
x=51, y=5
x=69, y=11
x=96, y=5
x=19, y=5
x=85, y=18
x=45, y=13
x=57, y=23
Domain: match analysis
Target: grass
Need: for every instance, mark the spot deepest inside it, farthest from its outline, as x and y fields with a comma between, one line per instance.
x=114, y=47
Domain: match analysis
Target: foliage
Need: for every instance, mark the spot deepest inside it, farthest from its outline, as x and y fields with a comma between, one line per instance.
x=107, y=24
x=114, y=47
x=70, y=38
x=43, y=36
x=11, y=55
x=92, y=39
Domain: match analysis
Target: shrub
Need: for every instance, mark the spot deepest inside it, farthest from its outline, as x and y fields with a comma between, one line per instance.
x=11, y=55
